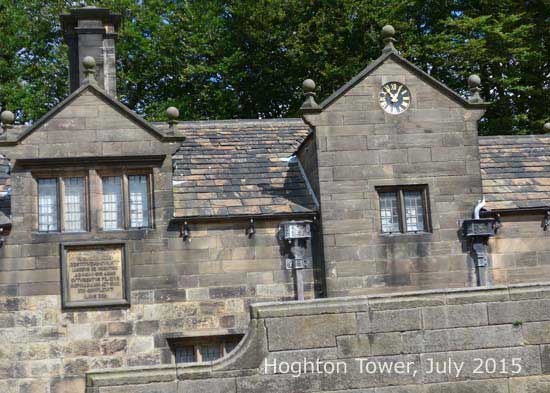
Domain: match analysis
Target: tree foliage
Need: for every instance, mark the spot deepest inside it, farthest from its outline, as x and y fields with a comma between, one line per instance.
x=219, y=59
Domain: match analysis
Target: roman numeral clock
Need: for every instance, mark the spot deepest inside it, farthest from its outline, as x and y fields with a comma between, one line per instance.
x=394, y=98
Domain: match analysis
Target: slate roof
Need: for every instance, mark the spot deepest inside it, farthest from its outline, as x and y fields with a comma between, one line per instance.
x=515, y=171
x=240, y=167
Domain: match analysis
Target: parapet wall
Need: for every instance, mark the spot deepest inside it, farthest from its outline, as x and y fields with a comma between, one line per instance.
x=493, y=340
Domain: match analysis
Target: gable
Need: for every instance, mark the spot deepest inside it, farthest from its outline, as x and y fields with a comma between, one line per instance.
x=365, y=94
x=393, y=65
x=90, y=124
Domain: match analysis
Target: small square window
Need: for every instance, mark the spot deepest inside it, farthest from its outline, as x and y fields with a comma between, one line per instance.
x=210, y=352
x=404, y=209
x=62, y=204
x=185, y=354
x=126, y=202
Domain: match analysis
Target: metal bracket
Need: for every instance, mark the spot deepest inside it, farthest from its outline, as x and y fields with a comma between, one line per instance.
x=185, y=232
x=298, y=263
x=481, y=261
x=250, y=231
x=497, y=224
x=546, y=221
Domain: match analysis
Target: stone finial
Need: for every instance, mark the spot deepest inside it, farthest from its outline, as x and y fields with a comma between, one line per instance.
x=89, y=64
x=8, y=118
x=474, y=81
x=173, y=114
x=387, y=36
x=546, y=127
x=309, y=91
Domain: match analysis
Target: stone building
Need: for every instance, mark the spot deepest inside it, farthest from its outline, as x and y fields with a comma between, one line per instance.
x=132, y=251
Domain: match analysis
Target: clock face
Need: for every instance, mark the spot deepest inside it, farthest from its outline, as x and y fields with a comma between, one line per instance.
x=394, y=98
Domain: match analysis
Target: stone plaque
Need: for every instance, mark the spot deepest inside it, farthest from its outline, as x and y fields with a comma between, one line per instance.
x=94, y=275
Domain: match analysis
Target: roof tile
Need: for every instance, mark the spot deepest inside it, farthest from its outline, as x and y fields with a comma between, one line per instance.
x=515, y=171
x=240, y=167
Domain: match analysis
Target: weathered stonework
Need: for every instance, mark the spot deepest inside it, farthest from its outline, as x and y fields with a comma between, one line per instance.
x=360, y=147
x=499, y=323
x=178, y=287
x=218, y=192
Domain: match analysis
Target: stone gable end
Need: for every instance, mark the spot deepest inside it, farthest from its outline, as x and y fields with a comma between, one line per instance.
x=364, y=95
x=91, y=126
x=432, y=145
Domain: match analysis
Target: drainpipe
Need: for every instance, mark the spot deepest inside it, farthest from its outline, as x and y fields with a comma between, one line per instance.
x=297, y=234
x=478, y=231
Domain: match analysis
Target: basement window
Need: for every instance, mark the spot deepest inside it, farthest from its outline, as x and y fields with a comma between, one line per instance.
x=404, y=209
x=203, y=349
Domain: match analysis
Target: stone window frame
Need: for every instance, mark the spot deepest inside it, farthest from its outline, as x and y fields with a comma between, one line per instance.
x=227, y=344
x=400, y=190
x=124, y=173
x=59, y=176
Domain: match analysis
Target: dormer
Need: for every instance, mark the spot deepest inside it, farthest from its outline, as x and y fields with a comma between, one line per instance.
x=398, y=168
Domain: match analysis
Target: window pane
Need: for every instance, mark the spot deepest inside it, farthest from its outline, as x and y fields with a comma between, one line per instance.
x=389, y=212
x=185, y=354
x=47, y=205
x=139, y=204
x=230, y=346
x=74, y=202
x=112, y=202
x=210, y=352
x=414, y=211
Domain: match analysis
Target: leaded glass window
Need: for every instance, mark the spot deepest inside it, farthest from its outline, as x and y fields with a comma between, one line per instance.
x=48, y=205
x=139, y=201
x=112, y=203
x=389, y=212
x=74, y=204
x=210, y=352
x=185, y=354
x=414, y=211
x=404, y=209
x=203, y=349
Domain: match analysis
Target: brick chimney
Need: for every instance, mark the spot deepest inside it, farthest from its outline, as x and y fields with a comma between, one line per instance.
x=91, y=31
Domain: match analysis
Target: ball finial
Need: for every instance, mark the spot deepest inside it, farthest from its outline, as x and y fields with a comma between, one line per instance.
x=546, y=127
x=308, y=85
x=388, y=31
x=7, y=117
x=172, y=113
x=474, y=81
x=88, y=62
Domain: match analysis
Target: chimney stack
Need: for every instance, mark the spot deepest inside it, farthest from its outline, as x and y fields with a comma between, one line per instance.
x=91, y=31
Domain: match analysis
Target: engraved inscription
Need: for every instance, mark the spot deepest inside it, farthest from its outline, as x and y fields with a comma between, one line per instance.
x=95, y=273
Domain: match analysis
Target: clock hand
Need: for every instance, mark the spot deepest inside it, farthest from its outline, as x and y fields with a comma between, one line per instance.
x=398, y=90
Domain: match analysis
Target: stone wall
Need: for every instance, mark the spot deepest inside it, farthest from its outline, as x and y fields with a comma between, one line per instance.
x=178, y=289
x=521, y=250
x=360, y=147
x=307, y=154
x=500, y=323
x=198, y=286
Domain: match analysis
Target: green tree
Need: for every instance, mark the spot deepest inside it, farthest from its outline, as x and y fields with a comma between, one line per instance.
x=33, y=75
x=219, y=59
